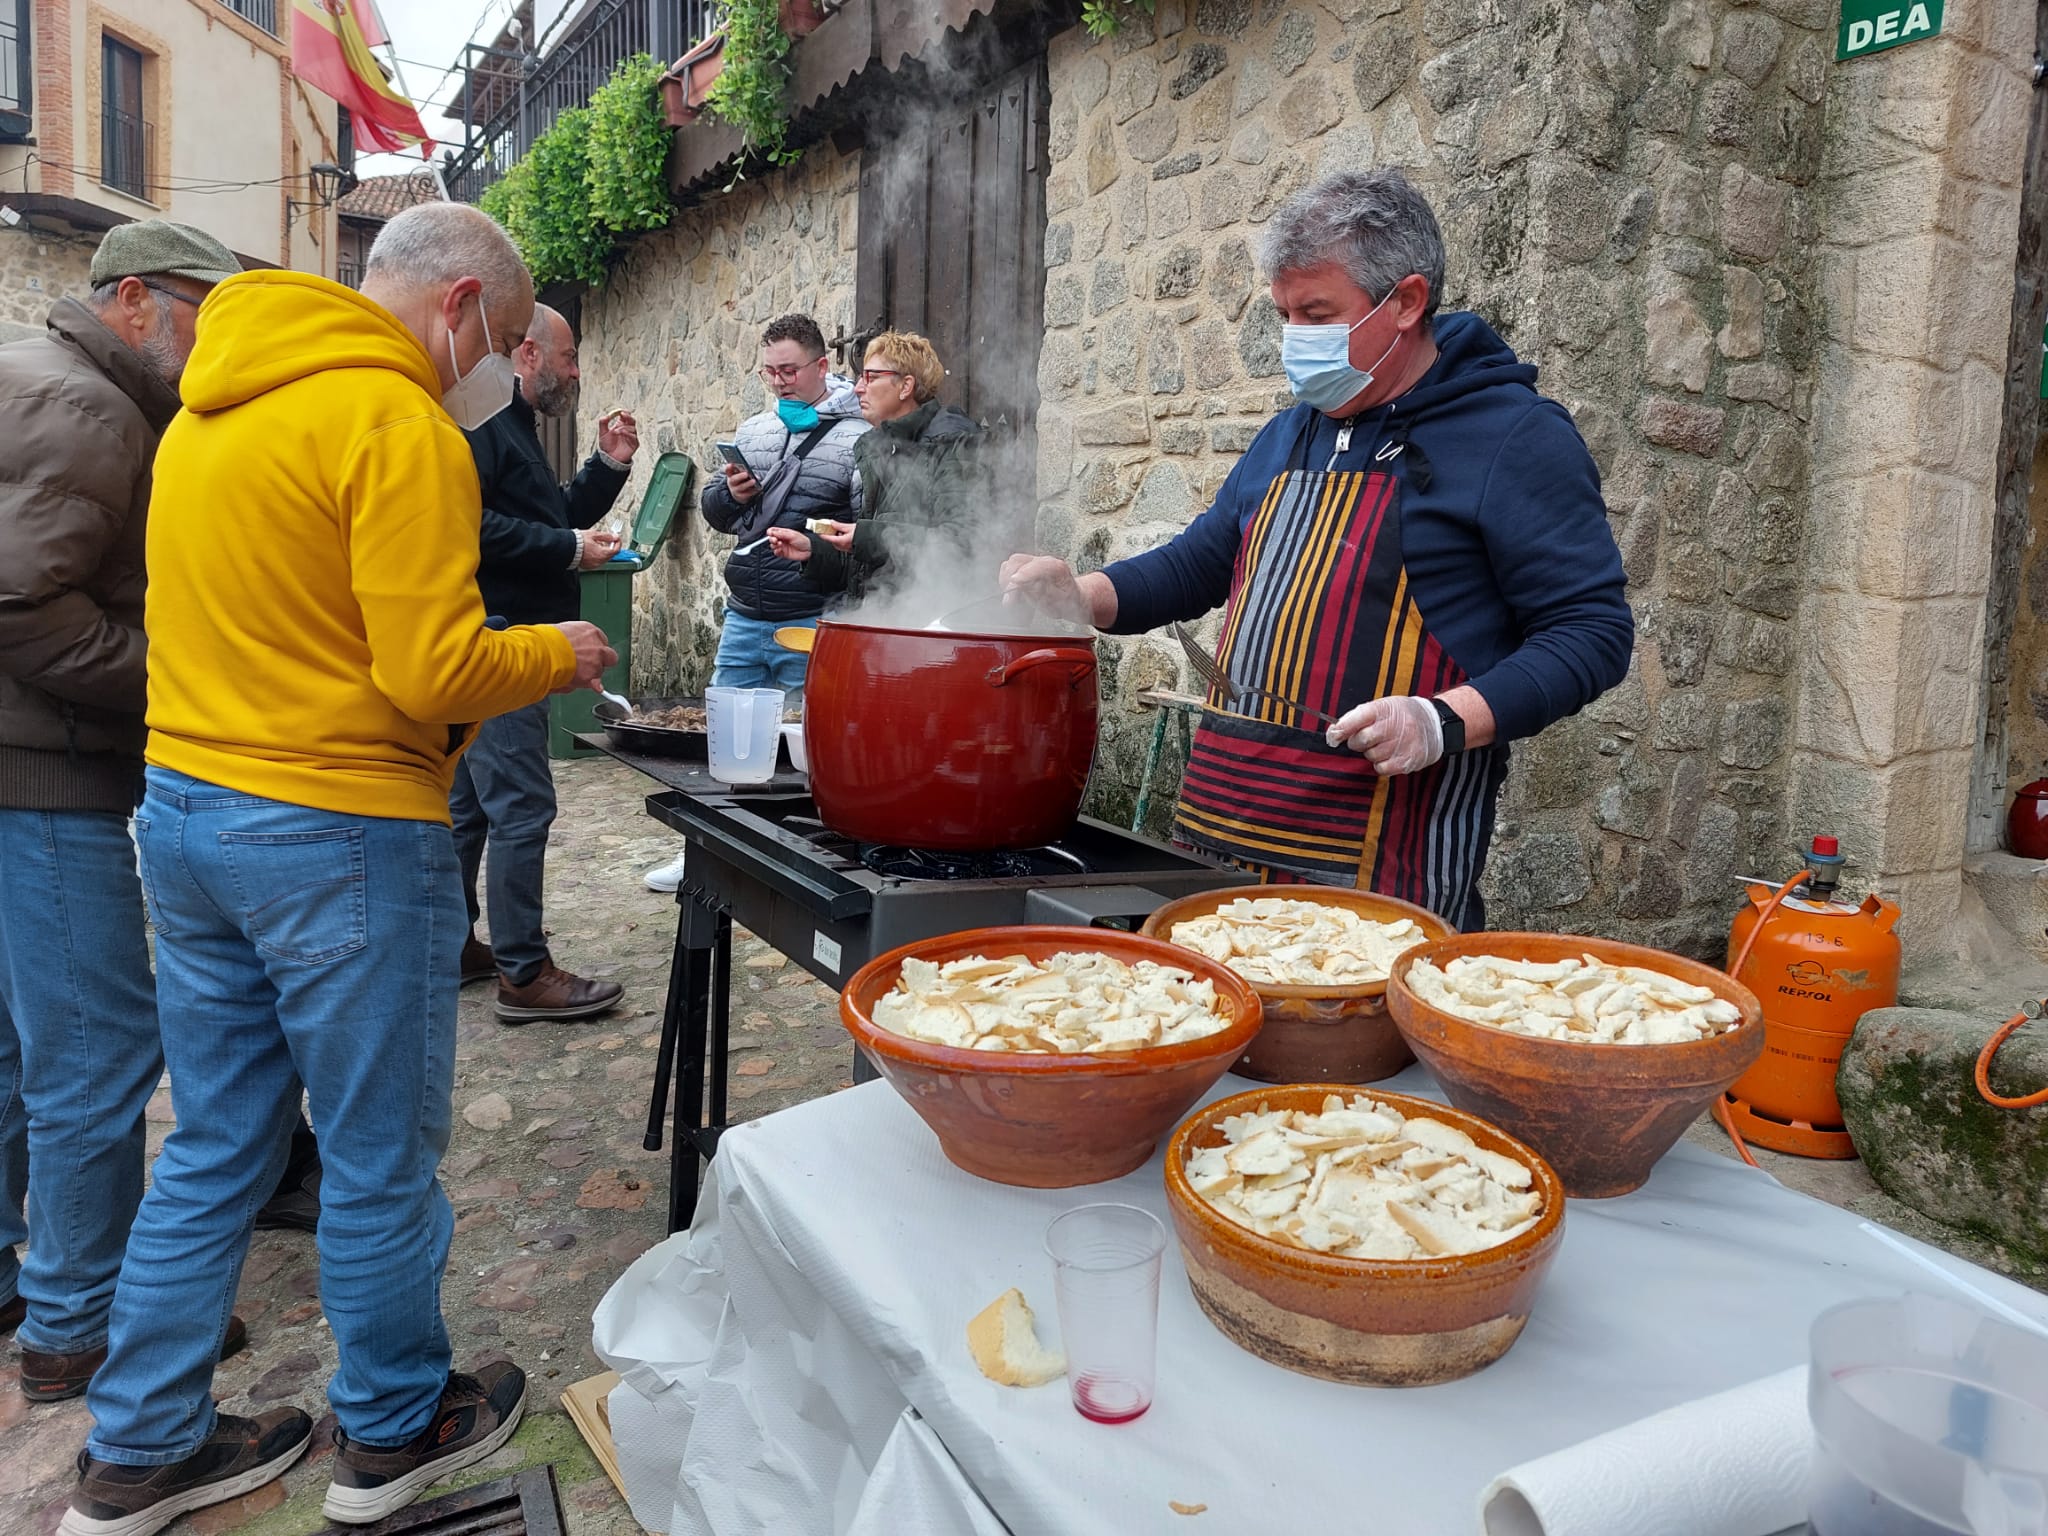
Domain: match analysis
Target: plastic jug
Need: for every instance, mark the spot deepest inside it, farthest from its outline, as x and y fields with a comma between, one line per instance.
x=745, y=728
x=1930, y=1419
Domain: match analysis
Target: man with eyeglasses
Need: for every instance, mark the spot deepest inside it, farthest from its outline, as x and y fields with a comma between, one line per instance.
x=798, y=465
x=81, y=409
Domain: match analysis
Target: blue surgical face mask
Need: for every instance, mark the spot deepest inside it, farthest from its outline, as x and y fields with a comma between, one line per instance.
x=1318, y=361
x=797, y=415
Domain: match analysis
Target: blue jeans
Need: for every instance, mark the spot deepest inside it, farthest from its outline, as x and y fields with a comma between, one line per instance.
x=79, y=1059
x=293, y=945
x=748, y=656
x=504, y=794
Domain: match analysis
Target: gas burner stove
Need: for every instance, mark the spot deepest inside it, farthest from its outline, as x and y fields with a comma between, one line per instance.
x=951, y=864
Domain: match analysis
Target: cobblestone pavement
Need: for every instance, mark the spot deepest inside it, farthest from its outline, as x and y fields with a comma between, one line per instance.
x=554, y=1194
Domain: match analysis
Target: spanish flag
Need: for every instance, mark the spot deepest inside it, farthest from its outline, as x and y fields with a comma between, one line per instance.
x=331, y=41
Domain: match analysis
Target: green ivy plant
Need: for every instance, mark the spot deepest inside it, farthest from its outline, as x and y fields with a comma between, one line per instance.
x=629, y=149
x=1104, y=18
x=752, y=93
x=596, y=176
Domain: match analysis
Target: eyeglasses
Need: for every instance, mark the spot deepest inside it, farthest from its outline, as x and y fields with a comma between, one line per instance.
x=171, y=293
x=774, y=373
x=869, y=375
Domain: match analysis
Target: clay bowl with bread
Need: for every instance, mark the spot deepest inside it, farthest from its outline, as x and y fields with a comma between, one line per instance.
x=1338, y=1034
x=1375, y=1322
x=1045, y=1120
x=1601, y=1114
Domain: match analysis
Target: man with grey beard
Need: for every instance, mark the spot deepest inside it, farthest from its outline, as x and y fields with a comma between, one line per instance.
x=81, y=409
x=537, y=534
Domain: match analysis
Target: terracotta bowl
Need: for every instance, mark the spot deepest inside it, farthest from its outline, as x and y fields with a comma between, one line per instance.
x=1377, y=1322
x=1048, y=1121
x=1602, y=1114
x=1316, y=1034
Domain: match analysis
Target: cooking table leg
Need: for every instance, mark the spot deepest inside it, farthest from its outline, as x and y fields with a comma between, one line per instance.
x=690, y=994
x=671, y=1023
x=721, y=1032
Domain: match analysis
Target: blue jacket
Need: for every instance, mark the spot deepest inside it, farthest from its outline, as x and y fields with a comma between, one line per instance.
x=1503, y=531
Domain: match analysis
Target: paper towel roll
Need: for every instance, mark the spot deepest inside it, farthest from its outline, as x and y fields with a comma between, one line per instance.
x=1734, y=1464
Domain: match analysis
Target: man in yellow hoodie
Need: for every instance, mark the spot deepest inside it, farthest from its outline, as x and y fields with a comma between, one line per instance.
x=318, y=654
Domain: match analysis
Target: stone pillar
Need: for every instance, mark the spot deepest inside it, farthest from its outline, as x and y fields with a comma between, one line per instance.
x=1918, y=201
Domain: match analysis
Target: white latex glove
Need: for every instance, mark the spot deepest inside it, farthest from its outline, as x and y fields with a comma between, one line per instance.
x=1398, y=735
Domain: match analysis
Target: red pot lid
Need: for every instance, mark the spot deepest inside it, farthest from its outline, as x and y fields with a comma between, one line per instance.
x=2038, y=790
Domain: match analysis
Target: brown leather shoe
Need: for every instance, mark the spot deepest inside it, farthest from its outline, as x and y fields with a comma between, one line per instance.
x=477, y=961
x=240, y=1456
x=52, y=1378
x=555, y=994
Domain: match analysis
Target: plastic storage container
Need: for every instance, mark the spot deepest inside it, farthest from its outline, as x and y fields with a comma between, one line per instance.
x=1929, y=1419
x=744, y=731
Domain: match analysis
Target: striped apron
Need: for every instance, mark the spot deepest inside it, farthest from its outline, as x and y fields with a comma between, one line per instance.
x=1320, y=611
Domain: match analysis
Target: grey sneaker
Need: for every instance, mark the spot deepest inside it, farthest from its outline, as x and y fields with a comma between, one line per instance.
x=477, y=1415
x=240, y=1456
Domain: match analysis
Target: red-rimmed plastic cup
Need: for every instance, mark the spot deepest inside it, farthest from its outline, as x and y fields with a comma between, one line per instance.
x=1105, y=1262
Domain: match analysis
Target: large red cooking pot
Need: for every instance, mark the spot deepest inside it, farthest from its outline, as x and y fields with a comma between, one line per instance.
x=933, y=739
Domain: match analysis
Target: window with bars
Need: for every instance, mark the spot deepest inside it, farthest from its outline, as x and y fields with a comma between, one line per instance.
x=261, y=12
x=124, y=136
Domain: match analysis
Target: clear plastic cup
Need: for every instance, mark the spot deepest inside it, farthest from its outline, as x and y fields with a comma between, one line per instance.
x=1105, y=1263
x=744, y=727
x=1929, y=1419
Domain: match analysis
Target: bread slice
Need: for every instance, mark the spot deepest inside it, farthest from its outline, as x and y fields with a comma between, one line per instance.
x=1004, y=1344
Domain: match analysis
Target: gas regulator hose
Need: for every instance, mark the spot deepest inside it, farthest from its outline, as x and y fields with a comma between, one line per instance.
x=1721, y=1116
x=2006, y=1031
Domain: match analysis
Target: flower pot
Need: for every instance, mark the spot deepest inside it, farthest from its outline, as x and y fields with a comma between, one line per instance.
x=799, y=18
x=687, y=82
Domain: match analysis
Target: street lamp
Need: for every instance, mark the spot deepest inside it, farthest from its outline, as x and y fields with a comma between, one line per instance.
x=328, y=182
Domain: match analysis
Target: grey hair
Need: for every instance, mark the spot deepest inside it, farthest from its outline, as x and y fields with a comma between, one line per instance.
x=1373, y=224
x=430, y=244
x=105, y=293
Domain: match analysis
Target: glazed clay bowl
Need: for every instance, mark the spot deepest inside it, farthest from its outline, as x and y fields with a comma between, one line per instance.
x=1315, y=1034
x=1372, y=1322
x=1601, y=1114
x=1048, y=1121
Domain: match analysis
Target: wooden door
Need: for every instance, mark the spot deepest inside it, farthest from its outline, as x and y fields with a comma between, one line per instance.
x=952, y=242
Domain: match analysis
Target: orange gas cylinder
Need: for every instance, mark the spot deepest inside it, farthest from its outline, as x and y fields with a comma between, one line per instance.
x=1819, y=965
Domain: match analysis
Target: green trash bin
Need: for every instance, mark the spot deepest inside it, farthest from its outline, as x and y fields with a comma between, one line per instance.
x=608, y=599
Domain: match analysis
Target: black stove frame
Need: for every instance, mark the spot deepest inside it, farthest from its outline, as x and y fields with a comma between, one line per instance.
x=805, y=892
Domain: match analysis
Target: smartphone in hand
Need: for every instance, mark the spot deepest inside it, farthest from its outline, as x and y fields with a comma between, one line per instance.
x=730, y=452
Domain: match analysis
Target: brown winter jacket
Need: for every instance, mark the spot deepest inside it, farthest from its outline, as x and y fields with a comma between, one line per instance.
x=80, y=415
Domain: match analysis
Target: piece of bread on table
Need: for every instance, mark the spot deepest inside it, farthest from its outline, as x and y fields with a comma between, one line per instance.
x=1005, y=1344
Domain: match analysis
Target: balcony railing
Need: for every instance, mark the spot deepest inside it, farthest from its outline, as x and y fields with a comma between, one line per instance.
x=348, y=273
x=508, y=101
x=125, y=142
x=262, y=12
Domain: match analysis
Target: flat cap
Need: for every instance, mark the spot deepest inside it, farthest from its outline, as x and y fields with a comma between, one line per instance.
x=157, y=246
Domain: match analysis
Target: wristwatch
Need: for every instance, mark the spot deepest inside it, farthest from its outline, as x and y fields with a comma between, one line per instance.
x=1454, y=726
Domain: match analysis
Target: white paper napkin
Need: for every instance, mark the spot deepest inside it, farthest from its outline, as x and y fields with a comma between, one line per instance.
x=1734, y=1464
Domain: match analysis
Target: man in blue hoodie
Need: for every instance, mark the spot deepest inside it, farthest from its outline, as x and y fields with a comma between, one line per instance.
x=1417, y=552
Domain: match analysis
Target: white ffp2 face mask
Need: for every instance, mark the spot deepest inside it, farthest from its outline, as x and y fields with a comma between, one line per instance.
x=487, y=388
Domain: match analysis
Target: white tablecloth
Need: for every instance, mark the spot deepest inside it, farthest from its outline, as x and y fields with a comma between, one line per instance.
x=797, y=1362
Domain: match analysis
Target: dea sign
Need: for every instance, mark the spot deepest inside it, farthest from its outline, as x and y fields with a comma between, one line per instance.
x=1870, y=26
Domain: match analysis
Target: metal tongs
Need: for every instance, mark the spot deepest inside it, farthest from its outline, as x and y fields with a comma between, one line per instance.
x=1211, y=672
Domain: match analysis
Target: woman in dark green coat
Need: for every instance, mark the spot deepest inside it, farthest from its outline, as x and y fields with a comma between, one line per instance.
x=923, y=484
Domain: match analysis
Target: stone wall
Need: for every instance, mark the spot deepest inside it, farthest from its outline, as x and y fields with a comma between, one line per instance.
x=1915, y=250
x=35, y=272
x=1772, y=289
x=1624, y=196
x=674, y=336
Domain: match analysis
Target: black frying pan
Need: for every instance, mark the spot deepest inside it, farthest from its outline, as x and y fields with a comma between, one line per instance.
x=653, y=740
